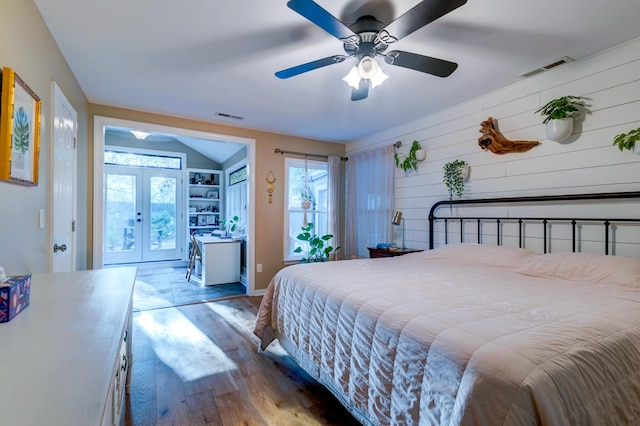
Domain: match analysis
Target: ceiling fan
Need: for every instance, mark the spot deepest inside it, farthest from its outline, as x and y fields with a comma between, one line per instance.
x=368, y=38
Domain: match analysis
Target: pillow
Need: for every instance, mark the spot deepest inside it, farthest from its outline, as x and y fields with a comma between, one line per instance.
x=584, y=267
x=478, y=254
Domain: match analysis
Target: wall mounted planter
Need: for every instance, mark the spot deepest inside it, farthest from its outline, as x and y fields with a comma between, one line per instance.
x=559, y=130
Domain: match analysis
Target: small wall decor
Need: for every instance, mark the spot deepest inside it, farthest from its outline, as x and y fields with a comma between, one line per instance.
x=19, y=130
x=493, y=141
x=628, y=141
x=271, y=179
x=410, y=161
x=455, y=172
x=559, y=115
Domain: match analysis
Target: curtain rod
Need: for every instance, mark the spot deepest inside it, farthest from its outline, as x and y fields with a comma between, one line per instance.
x=282, y=152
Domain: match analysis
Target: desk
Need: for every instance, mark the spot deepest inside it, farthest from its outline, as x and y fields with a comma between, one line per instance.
x=220, y=260
x=66, y=358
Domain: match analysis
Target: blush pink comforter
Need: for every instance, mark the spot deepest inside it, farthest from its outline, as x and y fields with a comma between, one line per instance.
x=465, y=337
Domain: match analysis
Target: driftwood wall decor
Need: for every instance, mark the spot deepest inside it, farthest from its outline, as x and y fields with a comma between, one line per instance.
x=493, y=141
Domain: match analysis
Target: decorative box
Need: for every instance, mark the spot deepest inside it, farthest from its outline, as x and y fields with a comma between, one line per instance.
x=15, y=295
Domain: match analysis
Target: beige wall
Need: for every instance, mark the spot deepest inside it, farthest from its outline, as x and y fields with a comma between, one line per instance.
x=269, y=217
x=29, y=49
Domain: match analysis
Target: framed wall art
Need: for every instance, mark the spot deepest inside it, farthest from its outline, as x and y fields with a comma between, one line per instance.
x=19, y=130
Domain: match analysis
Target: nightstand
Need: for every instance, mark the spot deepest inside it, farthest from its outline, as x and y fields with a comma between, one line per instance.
x=376, y=252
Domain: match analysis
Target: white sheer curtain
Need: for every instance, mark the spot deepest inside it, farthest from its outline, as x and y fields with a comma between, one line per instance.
x=369, y=200
x=334, y=166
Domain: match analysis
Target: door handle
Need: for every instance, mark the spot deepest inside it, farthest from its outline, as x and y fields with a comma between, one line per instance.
x=57, y=248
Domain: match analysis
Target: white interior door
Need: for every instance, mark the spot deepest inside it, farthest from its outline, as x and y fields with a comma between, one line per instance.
x=142, y=212
x=64, y=204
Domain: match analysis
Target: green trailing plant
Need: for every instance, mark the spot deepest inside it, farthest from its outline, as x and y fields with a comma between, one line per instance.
x=408, y=162
x=318, y=247
x=627, y=140
x=453, y=179
x=305, y=195
x=563, y=107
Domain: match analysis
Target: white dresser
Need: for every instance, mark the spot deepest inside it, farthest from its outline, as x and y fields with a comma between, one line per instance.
x=66, y=358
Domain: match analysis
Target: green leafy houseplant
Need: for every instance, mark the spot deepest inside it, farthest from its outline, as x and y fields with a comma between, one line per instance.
x=627, y=140
x=408, y=162
x=453, y=179
x=233, y=223
x=318, y=247
x=563, y=107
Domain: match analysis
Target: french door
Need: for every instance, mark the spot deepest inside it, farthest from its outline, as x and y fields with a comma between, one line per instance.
x=142, y=212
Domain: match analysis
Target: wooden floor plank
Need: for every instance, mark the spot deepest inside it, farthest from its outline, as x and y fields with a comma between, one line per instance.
x=199, y=365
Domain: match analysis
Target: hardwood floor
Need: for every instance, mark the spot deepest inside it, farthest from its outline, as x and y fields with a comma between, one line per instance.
x=198, y=365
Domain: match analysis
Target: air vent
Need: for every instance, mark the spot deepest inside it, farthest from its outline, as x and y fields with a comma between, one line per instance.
x=225, y=115
x=552, y=65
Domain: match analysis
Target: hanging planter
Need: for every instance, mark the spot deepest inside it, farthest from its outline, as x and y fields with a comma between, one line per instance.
x=455, y=172
x=559, y=115
x=629, y=141
x=559, y=130
x=410, y=161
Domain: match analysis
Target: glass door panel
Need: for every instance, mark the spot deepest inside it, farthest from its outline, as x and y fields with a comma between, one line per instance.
x=162, y=230
x=141, y=215
x=122, y=216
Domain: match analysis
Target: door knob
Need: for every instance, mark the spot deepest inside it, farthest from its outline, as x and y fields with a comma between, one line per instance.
x=57, y=248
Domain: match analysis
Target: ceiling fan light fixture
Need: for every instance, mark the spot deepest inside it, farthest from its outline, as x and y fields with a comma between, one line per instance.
x=368, y=67
x=378, y=79
x=353, y=78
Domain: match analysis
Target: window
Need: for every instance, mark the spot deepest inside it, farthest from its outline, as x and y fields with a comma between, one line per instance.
x=304, y=179
x=140, y=159
x=236, y=195
x=238, y=176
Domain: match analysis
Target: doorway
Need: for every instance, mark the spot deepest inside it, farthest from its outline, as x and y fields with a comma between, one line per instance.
x=102, y=124
x=142, y=214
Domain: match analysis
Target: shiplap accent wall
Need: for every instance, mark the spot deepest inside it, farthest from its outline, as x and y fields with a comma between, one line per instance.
x=586, y=163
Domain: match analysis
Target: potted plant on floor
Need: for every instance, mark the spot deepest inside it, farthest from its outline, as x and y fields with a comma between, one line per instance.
x=318, y=247
x=455, y=173
x=559, y=114
x=628, y=141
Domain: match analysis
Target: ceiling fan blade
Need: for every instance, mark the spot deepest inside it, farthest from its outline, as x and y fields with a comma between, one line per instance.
x=316, y=14
x=420, y=15
x=310, y=66
x=361, y=92
x=421, y=63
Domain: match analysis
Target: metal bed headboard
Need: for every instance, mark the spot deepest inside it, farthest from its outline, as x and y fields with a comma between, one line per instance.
x=536, y=200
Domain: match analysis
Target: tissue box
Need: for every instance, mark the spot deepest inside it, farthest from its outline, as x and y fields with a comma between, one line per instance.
x=14, y=296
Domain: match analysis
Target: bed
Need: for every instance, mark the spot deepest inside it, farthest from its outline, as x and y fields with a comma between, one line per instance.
x=471, y=333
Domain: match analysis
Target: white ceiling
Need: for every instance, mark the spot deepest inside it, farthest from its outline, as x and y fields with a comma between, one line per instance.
x=194, y=58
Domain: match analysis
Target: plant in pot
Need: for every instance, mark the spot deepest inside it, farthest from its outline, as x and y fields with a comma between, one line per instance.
x=410, y=161
x=306, y=199
x=558, y=116
x=228, y=225
x=628, y=141
x=318, y=247
x=454, y=174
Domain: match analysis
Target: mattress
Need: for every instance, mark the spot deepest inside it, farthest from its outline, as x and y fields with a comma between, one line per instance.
x=466, y=335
